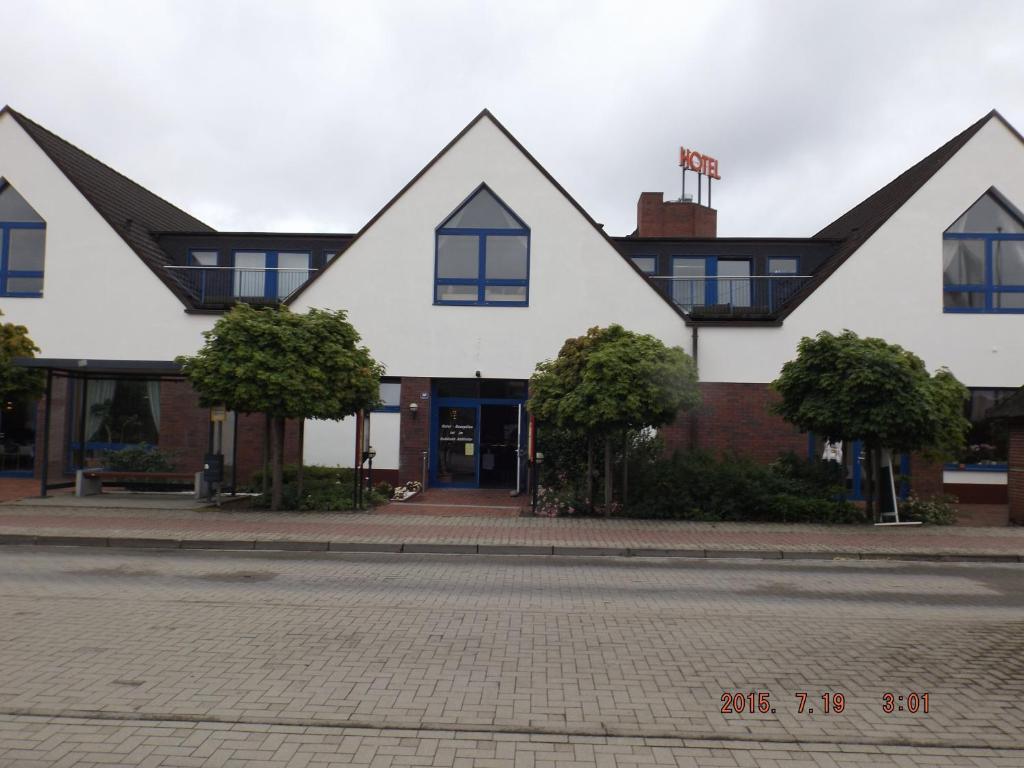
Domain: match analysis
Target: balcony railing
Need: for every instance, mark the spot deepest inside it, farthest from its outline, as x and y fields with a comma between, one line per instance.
x=722, y=297
x=223, y=286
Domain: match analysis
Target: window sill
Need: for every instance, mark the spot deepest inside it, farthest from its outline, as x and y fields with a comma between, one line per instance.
x=481, y=303
x=976, y=467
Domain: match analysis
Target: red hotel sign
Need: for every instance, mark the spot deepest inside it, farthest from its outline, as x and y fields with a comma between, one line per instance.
x=693, y=160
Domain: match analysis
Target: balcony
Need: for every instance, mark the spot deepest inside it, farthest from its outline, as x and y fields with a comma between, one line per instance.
x=221, y=287
x=721, y=298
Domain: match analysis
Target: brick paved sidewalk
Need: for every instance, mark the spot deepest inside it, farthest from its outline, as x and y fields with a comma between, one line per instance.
x=246, y=529
x=64, y=741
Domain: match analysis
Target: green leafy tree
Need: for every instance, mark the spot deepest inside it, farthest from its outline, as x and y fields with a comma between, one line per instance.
x=608, y=382
x=850, y=388
x=286, y=365
x=17, y=383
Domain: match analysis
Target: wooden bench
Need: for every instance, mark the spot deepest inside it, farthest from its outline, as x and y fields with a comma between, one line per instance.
x=89, y=482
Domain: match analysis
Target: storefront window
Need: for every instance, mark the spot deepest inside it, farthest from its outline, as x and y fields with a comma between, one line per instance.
x=17, y=436
x=117, y=413
x=987, y=442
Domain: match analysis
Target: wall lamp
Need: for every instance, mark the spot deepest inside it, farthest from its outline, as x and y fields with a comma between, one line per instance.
x=414, y=408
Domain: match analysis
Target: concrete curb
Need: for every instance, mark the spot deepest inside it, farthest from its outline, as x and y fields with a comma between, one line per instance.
x=287, y=545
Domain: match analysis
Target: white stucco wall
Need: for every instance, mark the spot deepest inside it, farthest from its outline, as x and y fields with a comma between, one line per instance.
x=99, y=299
x=332, y=443
x=577, y=279
x=892, y=286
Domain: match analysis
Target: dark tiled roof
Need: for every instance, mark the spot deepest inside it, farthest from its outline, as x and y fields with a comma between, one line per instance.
x=1011, y=408
x=860, y=222
x=132, y=210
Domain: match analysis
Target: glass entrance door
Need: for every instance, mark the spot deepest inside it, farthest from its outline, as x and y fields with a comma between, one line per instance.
x=476, y=442
x=455, y=448
x=499, y=445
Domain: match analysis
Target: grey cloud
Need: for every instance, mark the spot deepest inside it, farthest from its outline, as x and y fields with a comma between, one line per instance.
x=305, y=115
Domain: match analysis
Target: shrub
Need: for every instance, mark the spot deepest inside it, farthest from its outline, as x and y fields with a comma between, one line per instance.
x=696, y=486
x=324, y=489
x=937, y=510
x=139, y=458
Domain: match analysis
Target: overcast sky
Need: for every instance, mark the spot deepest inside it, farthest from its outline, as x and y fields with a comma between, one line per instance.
x=309, y=116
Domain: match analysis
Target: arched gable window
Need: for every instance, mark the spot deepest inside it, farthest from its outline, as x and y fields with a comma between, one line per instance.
x=482, y=255
x=22, y=245
x=983, y=258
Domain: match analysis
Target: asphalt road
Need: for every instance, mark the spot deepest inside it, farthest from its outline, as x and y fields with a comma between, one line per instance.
x=207, y=658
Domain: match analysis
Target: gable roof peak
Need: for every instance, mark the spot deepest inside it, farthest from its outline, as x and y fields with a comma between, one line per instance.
x=131, y=210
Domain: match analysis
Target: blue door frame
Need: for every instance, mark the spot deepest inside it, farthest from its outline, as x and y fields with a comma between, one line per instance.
x=437, y=403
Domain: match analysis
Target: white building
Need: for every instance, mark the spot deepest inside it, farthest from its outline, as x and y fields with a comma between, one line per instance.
x=479, y=268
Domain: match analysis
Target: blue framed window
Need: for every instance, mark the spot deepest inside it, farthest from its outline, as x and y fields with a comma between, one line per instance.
x=482, y=255
x=647, y=264
x=391, y=397
x=272, y=275
x=22, y=246
x=708, y=280
x=983, y=259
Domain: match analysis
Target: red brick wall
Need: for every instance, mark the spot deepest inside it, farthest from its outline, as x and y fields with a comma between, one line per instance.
x=926, y=477
x=413, y=431
x=735, y=418
x=1016, y=472
x=184, y=426
x=656, y=218
x=250, y=445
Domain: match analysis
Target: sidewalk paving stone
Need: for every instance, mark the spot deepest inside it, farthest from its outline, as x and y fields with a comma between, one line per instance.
x=124, y=526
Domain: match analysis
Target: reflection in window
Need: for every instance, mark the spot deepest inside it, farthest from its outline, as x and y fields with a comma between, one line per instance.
x=647, y=264
x=117, y=414
x=22, y=245
x=734, y=283
x=482, y=255
x=983, y=259
x=390, y=396
x=988, y=440
x=689, y=290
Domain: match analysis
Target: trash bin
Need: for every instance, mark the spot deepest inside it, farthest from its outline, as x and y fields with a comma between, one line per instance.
x=213, y=468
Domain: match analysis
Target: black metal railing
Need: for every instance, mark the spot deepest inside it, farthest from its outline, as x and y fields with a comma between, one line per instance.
x=714, y=297
x=224, y=286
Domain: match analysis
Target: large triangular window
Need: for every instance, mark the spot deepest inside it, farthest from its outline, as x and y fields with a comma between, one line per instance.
x=22, y=245
x=482, y=254
x=983, y=258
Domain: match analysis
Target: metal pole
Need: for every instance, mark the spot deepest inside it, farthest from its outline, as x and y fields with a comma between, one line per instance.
x=234, y=453
x=700, y=187
x=44, y=472
x=83, y=400
x=709, y=191
x=534, y=471
x=683, y=198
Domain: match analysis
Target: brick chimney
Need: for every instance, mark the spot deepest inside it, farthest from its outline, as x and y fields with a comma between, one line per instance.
x=656, y=218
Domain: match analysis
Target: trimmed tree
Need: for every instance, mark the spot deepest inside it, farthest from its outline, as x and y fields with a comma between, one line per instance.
x=607, y=382
x=287, y=366
x=850, y=388
x=17, y=383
